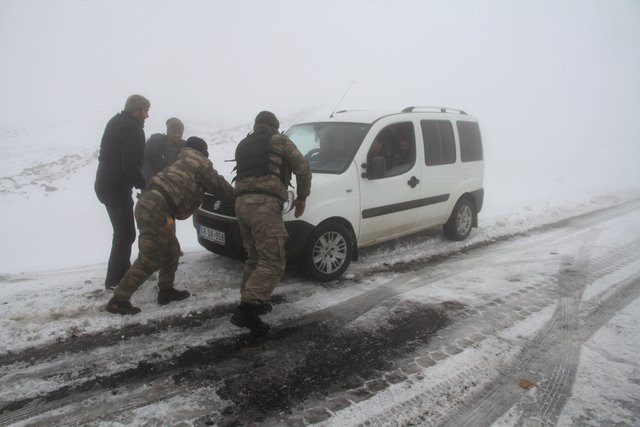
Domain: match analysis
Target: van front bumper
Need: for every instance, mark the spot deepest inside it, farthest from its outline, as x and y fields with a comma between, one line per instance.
x=298, y=231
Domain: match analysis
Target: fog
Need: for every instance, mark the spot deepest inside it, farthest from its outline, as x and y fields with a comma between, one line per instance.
x=554, y=84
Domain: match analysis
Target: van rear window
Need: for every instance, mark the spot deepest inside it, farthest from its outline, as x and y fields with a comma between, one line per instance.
x=439, y=145
x=470, y=141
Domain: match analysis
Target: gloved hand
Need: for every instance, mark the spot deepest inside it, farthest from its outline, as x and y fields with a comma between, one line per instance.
x=299, y=207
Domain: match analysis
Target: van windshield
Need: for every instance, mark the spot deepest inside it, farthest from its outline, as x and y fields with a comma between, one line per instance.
x=329, y=147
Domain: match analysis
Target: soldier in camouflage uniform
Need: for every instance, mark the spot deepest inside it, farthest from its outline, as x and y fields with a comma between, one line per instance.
x=265, y=160
x=176, y=192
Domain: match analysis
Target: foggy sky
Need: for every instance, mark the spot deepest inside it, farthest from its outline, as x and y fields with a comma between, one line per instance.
x=561, y=76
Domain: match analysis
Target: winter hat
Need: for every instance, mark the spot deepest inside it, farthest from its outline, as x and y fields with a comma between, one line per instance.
x=197, y=144
x=267, y=118
x=175, y=125
x=136, y=102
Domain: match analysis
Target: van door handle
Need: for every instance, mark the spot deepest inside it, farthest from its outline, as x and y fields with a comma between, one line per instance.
x=413, y=182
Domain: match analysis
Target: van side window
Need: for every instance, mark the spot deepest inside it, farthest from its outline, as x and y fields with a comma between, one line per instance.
x=396, y=144
x=470, y=141
x=439, y=144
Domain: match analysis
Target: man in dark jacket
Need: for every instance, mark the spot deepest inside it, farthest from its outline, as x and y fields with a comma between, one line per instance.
x=264, y=161
x=174, y=193
x=161, y=150
x=119, y=170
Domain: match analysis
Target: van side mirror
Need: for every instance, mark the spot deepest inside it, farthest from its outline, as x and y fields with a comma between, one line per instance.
x=376, y=167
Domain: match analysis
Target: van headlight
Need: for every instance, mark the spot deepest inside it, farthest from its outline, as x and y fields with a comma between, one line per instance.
x=288, y=205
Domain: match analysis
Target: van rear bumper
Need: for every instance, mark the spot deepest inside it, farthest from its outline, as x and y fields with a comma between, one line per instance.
x=478, y=196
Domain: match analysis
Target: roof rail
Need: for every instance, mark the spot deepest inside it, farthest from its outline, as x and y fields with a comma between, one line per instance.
x=439, y=109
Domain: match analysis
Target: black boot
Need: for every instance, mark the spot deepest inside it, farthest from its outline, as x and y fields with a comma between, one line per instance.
x=165, y=296
x=121, y=307
x=246, y=316
x=263, y=308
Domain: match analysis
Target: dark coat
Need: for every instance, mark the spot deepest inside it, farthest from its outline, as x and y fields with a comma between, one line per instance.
x=121, y=155
x=159, y=153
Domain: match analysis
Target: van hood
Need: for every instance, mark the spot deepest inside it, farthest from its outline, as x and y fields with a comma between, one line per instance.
x=322, y=179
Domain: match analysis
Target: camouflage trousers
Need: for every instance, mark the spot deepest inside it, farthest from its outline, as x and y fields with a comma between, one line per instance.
x=158, y=246
x=263, y=237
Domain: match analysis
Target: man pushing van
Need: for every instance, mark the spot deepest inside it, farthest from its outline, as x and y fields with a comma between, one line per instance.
x=172, y=194
x=265, y=160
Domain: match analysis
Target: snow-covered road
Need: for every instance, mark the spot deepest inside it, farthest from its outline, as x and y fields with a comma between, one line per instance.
x=519, y=325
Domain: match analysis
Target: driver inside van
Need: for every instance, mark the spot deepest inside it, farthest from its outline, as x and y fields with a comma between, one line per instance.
x=377, y=149
x=401, y=153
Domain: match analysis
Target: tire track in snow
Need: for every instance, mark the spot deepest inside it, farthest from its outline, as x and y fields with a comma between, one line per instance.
x=485, y=405
x=109, y=337
x=551, y=360
x=546, y=361
x=355, y=307
x=257, y=376
x=472, y=326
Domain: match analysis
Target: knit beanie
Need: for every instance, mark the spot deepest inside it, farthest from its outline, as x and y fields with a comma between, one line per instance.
x=197, y=144
x=175, y=125
x=267, y=118
x=136, y=102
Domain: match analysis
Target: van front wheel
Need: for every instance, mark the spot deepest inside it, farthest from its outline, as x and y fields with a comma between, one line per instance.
x=328, y=252
x=460, y=222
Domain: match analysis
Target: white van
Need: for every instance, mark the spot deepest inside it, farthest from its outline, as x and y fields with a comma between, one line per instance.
x=376, y=176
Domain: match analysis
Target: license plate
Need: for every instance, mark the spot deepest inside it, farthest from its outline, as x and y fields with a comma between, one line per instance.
x=212, y=235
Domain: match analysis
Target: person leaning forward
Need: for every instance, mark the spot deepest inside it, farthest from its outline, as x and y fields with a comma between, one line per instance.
x=264, y=162
x=175, y=192
x=119, y=170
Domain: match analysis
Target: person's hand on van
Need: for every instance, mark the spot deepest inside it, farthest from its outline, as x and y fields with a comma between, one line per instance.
x=299, y=206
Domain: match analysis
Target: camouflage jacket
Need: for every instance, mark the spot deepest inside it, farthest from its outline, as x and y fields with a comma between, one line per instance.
x=271, y=184
x=185, y=181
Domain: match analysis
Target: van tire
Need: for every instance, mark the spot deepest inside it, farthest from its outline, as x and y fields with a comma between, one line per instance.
x=461, y=220
x=328, y=252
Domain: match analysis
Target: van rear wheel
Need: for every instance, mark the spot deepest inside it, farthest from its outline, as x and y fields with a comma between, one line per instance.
x=328, y=252
x=460, y=222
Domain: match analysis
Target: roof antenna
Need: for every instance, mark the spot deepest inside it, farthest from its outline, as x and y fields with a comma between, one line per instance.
x=345, y=94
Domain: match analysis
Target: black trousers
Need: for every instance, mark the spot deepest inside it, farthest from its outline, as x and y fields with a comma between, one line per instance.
x=120, y=210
